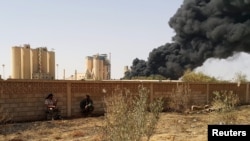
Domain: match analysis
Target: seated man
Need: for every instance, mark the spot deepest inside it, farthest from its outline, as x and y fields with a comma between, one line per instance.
x=51, y=107
x=87, y=105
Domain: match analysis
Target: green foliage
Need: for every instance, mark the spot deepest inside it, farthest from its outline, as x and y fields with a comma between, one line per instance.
x=190, y=76
x=129, y=117
x=225, y=100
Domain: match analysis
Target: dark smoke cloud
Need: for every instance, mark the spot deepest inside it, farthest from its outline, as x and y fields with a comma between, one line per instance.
x=204, y=29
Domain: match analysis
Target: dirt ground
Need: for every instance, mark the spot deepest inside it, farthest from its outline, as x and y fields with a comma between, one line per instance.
x=171, y=127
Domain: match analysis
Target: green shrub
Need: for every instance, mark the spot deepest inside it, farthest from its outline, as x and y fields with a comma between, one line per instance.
x=225, y=100
x=190, y=76
x=224, y=103
x=130, y=116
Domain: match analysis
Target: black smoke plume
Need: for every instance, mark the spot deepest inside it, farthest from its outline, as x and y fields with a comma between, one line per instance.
x=204, y=29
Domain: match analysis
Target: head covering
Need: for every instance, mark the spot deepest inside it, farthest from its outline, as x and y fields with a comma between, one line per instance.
x=50, y=95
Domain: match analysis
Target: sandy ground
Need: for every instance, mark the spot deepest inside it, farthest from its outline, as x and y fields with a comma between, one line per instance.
x=171, y=127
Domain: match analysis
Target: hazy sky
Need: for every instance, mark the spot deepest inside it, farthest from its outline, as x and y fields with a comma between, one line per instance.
x=126, y=29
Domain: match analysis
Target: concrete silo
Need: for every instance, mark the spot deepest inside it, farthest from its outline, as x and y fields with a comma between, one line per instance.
x=30, y=63
x=97, y=67
x=88, y=67
x=16, y=71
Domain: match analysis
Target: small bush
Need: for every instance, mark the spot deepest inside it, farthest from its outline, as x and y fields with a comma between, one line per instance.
x=129, y=117
x=180, y=98
x=190, y=76
x=5, y=116
x=225, y=100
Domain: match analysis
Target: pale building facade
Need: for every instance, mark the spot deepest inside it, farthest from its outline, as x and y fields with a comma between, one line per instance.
x=98, y=67
x=28, y=63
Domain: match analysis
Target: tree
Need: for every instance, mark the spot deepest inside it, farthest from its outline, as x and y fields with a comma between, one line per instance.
x=240, y=77
x=190, y=76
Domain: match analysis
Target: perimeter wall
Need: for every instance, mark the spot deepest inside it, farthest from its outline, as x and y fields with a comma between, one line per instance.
x=24, y=99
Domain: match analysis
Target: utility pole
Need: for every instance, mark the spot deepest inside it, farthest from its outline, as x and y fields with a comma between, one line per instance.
x=109, y=66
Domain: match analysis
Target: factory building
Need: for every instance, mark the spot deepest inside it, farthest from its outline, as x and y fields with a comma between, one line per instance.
x=98, y=67
x=28, y=63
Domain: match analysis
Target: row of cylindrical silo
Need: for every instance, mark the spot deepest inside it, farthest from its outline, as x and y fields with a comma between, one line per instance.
x=98, y=67
x=28, y=63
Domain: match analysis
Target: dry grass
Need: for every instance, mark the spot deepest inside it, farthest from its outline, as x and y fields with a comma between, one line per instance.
x=171, y=127
x=127, y=115
x=5, y=116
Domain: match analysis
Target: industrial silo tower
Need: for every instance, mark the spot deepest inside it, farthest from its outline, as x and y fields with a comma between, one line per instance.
x=28, y=63
x=97, y=67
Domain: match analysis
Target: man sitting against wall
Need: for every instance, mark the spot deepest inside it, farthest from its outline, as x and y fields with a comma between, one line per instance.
x=52, y=110
x=87, y=105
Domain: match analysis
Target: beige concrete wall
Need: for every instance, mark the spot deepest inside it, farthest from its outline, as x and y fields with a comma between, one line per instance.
x=24, y=100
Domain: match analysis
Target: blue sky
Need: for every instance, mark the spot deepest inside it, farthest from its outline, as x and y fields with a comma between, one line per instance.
x=127, y=29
